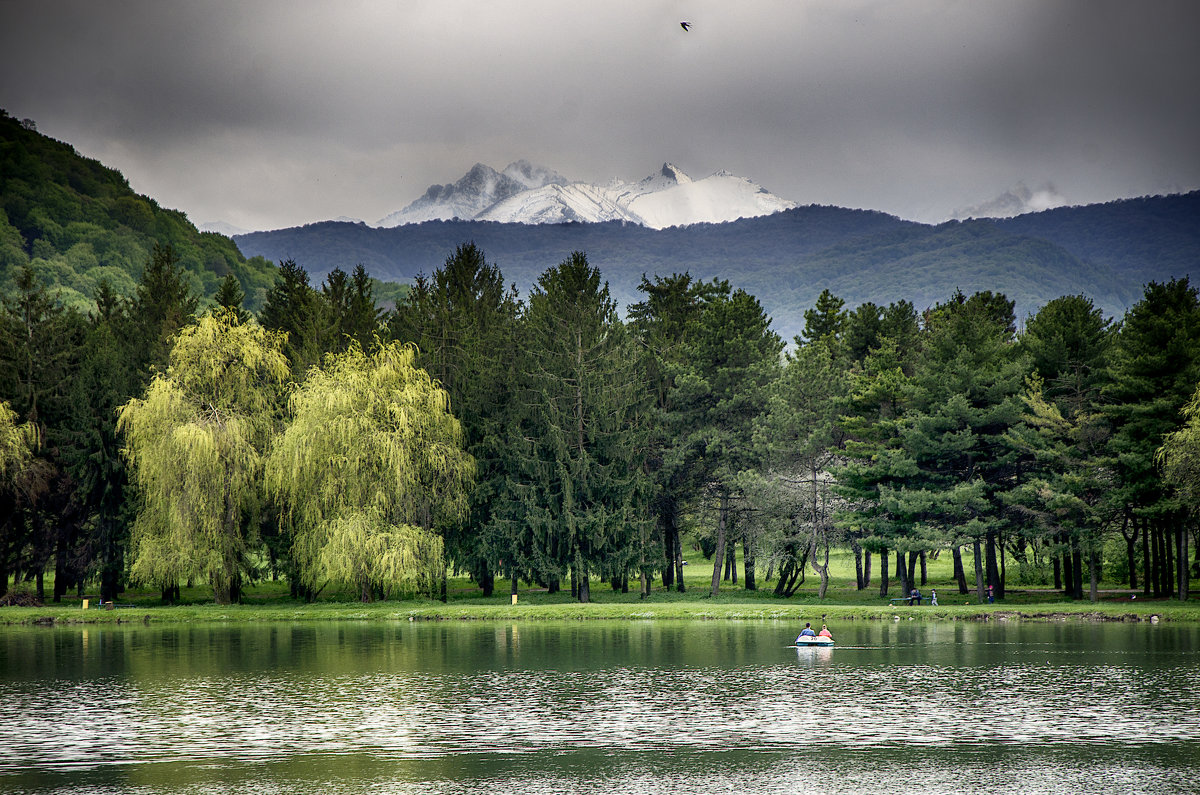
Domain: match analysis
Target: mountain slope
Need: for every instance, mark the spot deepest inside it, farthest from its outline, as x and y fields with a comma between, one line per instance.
x=77, y=223
x=785, y=259
x=479, y=189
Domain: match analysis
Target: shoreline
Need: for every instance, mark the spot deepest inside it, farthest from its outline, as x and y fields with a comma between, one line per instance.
x=1085, y=612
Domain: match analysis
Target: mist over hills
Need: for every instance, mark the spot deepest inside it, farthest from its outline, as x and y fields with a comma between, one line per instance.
x=1106, y=251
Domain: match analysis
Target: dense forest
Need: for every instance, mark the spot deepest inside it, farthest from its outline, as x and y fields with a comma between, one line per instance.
x=328, y=441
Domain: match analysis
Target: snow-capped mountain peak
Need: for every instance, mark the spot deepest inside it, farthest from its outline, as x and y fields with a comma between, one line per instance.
x=531, y=194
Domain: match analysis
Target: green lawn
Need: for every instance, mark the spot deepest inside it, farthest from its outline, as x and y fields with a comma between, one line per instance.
x=269, y=601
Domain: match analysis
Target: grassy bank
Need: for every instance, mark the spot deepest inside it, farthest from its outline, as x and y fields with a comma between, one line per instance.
x=269, y=601
x=544, y=607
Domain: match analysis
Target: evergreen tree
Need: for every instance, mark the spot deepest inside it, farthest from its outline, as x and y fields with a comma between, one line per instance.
x=463, y=322
x=665, y=325
x=578, y=496
x=827, y=318
x=231, y=298
x=801, y=441
x=294, y=307
x=162, y=305
x=1155, y=367
x=718, y=393
x=1061, y=490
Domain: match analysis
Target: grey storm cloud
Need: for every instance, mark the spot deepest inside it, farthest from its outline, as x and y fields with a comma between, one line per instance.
x=268, y=114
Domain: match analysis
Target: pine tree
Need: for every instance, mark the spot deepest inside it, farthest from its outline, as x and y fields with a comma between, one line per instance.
x=463, y=322
x=294, y=307
x=665, y=324
x=231, y=298
x=579, y=489
x=1155, y=367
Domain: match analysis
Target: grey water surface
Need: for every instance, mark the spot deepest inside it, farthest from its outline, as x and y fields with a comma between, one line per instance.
x=600, y=707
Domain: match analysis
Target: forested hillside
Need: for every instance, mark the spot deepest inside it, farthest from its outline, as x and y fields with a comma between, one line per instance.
x=77, y=223
x=1106, y=251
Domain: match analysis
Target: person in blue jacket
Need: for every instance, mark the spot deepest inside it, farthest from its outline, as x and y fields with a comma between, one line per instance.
x=807, y=632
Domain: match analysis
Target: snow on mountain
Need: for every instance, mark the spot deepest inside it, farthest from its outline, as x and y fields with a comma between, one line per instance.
x=480, y=188
x=529, y=194
x=557, y=204
x=713, y=200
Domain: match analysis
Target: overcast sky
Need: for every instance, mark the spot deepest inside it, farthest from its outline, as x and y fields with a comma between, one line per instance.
x=270, y=114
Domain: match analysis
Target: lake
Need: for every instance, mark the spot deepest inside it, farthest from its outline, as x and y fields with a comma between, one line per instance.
x=600, y=707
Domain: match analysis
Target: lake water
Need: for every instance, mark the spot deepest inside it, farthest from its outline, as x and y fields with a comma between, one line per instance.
x=600, y=707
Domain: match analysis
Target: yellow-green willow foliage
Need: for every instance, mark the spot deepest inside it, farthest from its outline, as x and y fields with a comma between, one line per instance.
x=371, y=465
x=16, y=445
x=195, y=446
x=1179, y=456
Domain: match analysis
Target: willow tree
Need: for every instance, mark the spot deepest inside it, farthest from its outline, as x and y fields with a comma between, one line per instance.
x=19, y=481
x=195, y=445
x=1179, y=458
x=369, y=469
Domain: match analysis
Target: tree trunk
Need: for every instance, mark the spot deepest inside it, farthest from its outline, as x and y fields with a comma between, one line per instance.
x=719, y=554
x=731, y=562
x=40, y=579
x=1093, y=571
x=978, y=554
x=513, y=586
x=866, y=569
x=1003, y=573
x=924, y=569
x=1076, y=569
x=1130, y=549
x=666, y=522
x=1068, y=569
x=1168, y=569
x=678, y=562
x=61, y=576
x=959, y=573
x=912, y=569
x=993, y=570
x=902, y=574
x=1150, y=555
x=748, y=563
x=1182, y=558
x=487, y=580
x=883, y=572
x=858, y=565
x=822, y=568
x=1055, y=559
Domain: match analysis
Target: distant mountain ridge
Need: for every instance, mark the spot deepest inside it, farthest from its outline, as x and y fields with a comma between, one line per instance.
x=1106, y=251
x=527, y=194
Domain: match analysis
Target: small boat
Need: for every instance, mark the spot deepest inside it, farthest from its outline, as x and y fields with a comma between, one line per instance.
x=813, y=640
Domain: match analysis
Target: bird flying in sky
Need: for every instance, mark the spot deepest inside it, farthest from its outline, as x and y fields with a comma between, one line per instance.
x=685, y=25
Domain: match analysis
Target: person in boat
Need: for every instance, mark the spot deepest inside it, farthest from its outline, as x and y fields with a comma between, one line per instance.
x=807, y=632
x=825, y=633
